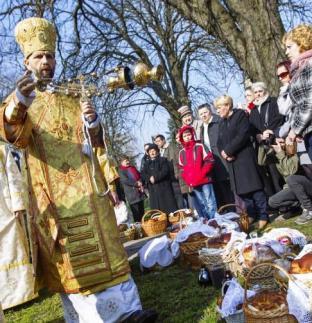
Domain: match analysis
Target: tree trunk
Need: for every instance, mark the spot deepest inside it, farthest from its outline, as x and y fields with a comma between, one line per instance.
x=251, y=30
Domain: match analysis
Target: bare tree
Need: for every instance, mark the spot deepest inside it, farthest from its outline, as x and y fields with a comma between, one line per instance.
x=251, y=30
x=126, y=31
x=118, y=136
x=97, y=35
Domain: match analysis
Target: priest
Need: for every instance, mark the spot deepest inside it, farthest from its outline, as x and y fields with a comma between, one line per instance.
x=77, y=251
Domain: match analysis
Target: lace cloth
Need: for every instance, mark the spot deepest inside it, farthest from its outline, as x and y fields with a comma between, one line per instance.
x=296, y=236
x=225, y=224
x=278, y=248
x=196, y=227
x=227, y=216
x=299, y=294
x=233, y=297
x=299, y=297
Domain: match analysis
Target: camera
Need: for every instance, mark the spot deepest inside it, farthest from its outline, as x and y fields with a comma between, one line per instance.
x=271, y=140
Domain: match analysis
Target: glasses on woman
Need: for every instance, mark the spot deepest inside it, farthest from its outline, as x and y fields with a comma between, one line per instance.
x=283, y=75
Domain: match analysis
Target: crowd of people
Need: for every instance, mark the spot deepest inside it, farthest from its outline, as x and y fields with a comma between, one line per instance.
x=257, y=154
x=58, y=228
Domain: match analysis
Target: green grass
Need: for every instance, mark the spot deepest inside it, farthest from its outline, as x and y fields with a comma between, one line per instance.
x=173, y=292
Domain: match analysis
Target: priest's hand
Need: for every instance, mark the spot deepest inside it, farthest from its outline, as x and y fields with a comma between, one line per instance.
x=26, y=84
x=88, y=111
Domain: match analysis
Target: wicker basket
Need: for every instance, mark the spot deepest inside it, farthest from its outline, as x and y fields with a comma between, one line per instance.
x=193, y=244
x=155, y=224
x=237, y=317
x=127, y=235
x=190, y=248
x=244, y=219
x=211, y=260
x=174, y=217
x=191, y=261
x=182, y=225
x=271, y=316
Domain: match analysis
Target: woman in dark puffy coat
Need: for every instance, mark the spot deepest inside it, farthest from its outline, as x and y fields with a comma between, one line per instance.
x=157, y=177
x=236, y=148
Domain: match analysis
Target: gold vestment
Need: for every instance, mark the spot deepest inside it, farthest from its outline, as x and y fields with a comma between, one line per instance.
x=74, y=229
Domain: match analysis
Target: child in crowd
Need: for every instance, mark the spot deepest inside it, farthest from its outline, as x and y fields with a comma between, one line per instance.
x=196, y=165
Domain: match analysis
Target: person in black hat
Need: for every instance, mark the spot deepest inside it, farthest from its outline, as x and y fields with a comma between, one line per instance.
x=156, y=176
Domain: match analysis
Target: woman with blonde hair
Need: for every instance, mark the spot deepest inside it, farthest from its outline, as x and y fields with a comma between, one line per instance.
x=298, y=44
x=236, y=148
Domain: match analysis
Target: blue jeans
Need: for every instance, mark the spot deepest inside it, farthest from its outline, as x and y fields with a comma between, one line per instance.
x=256, y=205
x=206, y=201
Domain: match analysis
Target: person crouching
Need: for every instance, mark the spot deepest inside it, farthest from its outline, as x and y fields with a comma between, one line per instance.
x=197, y=165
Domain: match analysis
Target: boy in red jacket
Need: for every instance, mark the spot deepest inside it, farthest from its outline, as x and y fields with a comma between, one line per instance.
x=196, y=165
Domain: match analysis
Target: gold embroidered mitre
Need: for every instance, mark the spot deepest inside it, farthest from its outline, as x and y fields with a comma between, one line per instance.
x=35, y=34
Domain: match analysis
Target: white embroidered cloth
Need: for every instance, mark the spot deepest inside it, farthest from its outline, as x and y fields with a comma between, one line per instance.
x=233, y=297
x=227, y=216
x=111, y=305
x=296, y=236
x=225, y=224
x=299, y=297
x=299, y=293
x=196, y=227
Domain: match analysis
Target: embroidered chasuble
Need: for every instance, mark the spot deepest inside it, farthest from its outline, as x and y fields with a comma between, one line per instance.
x=74, y=229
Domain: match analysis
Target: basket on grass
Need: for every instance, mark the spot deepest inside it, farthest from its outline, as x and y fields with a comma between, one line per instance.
x=174, y=217
x=243, y=216
x=211, y=256
x=190, y=249
x=154, y=222
x=263, y=275
x=194, y=243
x=271, y=311
x=177, y=228
x=127, y=235
x=238, y=316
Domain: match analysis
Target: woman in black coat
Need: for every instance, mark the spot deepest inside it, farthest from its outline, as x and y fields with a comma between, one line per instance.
x=156, y=175
x=266, y=116
x=236, y=148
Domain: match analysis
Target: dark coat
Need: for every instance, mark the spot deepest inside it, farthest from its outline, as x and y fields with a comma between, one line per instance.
x=143, y=161
x=172, y=154
x=133, y=195
x=268, y=118
x=220, y=172
x=234, y=139
x=161, y=194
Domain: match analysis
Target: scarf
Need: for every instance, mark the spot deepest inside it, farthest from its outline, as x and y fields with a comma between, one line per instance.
x=259, y=101
x=132, y=171
x=298, y=64
x=250, y=106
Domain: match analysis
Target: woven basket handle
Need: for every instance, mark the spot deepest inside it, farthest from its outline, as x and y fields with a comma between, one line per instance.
x=182, y=219
x=152, y=212
x=263, y=265
x=291, y=254
x=228, y=205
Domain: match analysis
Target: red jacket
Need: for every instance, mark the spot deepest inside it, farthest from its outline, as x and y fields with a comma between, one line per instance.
x=195, y=162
